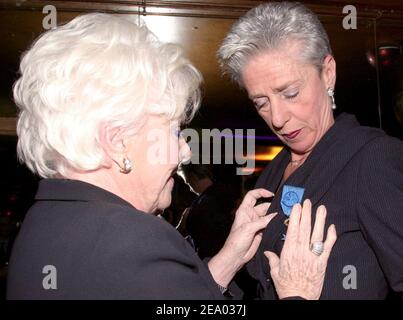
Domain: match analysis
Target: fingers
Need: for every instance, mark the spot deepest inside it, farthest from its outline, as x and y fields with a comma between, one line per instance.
x=318, y=230
x=252, y=228
x=249, y=236
x=274, y=261
x=293, y=225
x=304, y=235
x=261, y=223
x=299, y=228
x=261, y=209
x=252, y=196
x=331, y=238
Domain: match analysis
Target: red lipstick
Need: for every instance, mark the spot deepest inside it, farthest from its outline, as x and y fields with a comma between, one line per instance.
x=292, y=135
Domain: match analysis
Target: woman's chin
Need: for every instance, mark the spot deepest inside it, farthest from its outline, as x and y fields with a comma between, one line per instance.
x=166, y=195
x=301, y=147
x=164, y=203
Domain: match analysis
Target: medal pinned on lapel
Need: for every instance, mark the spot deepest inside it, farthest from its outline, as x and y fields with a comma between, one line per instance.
x=290, y=196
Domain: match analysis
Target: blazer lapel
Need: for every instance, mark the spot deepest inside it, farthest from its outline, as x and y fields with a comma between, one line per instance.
x=316, y=175
x=319, y=172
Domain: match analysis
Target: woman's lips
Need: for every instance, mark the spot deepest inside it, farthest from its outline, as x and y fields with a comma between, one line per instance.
x=292, y=135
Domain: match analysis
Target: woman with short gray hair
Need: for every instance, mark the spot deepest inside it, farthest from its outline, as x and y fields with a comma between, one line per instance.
x=280, y=53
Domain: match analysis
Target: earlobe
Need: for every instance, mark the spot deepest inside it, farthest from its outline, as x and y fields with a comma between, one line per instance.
x=113, y=143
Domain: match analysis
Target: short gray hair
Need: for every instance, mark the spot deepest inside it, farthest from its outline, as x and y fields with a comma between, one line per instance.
x=267, y=27
x=97, y=69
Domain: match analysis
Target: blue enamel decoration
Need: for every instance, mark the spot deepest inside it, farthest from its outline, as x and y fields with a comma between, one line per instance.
x=290, y=196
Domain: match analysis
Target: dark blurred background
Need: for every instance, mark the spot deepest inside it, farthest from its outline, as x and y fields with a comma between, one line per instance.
x=369, y=82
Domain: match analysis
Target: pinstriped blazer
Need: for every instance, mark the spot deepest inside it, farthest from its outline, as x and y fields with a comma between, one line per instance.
x=357, y=173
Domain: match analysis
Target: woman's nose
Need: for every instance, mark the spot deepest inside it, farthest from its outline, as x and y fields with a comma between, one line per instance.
x=185, y=154
x=278, y=116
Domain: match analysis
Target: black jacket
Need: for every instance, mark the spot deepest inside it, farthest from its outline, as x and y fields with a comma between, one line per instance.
x=357, y=173
x=101, y=248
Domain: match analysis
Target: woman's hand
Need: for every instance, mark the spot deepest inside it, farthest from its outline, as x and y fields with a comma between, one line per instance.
x=243, y=239
x=246, y=231
x=300, y=272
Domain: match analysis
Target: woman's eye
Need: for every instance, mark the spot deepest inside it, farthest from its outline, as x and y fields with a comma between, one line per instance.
x=291, y=95
x=260, y=103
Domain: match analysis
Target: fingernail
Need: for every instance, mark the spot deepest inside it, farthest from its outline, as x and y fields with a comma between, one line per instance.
x=297, y=206
x=322, y=209
x=270, y=216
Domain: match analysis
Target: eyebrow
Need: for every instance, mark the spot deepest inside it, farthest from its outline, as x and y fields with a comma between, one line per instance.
x=277, y=90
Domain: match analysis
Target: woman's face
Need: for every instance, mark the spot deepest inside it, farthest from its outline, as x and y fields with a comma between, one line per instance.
x=156, y=151
x=291, y=97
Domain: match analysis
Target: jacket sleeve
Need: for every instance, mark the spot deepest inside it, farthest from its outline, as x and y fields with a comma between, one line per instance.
x=380, y=205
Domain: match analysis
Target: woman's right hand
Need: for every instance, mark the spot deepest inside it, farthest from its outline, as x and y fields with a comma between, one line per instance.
x=298, y=271
x=244, y=238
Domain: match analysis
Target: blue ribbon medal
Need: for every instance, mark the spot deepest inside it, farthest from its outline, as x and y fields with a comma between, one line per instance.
x=291, y=195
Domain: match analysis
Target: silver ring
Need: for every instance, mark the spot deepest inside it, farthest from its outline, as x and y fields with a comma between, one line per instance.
x=317, y=247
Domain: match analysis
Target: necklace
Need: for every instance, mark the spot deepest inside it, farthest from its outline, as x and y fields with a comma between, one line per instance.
x=296, y=163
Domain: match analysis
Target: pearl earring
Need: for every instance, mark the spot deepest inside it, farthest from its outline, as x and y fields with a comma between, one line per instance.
x=330, y=92
x=127, y=165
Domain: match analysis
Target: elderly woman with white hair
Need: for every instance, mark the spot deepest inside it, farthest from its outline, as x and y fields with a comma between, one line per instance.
x=280, y=53
x=101, y=103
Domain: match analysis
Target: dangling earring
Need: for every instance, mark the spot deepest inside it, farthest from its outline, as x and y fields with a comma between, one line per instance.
x=330, y=92
x=127, y=166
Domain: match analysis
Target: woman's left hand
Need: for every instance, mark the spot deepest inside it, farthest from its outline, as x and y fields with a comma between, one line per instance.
x=300, y=271
x=244, y=237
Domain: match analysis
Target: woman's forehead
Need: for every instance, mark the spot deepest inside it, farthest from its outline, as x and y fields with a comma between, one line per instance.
x=274, y=71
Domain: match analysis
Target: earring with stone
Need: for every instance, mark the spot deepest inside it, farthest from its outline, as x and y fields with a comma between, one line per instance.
x=330, y=92
x=127, y=166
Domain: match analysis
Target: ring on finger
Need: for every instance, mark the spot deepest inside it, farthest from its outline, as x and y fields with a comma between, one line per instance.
x=317, y=247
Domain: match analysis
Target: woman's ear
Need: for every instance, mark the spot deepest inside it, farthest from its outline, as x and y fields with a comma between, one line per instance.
x=112, y=141
x=329, y=71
